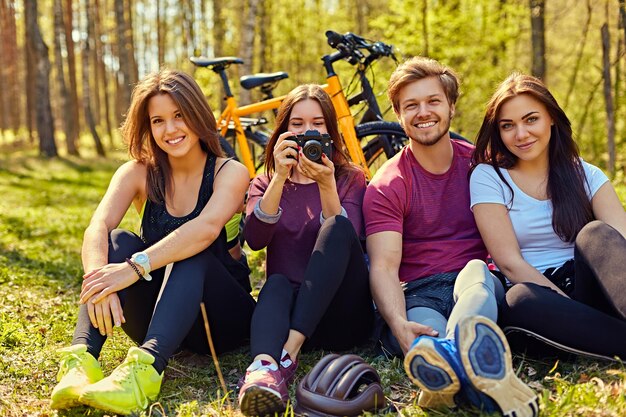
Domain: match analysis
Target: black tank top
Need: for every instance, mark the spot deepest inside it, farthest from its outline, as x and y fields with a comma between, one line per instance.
x=157, y=223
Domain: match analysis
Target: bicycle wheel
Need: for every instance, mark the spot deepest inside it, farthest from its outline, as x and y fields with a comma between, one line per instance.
x=380, y=141
x=227, y=148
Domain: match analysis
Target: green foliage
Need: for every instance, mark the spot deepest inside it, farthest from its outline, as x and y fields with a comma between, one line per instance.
x=483, y=40
x=45, y=207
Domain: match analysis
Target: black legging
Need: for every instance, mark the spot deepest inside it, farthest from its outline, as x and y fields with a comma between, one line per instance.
x=594, y=319
x=160, y=328
x=333, y=306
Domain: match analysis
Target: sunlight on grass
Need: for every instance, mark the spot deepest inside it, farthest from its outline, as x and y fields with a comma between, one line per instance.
x=44, y=209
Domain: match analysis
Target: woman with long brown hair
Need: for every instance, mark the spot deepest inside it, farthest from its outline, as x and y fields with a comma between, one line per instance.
x=185, y=192
x=308, y=215
x=552, y=223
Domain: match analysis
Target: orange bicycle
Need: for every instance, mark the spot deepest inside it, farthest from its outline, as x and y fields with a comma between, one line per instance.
x=369, y=142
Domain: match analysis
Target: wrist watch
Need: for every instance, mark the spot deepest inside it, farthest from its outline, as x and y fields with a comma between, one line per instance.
x=143, y=260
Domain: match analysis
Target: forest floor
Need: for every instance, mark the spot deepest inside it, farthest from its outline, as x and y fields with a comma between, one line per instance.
x=44, y=209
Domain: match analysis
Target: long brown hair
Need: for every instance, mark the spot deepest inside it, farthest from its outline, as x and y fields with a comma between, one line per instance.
x=190, y=100
x=566, y=176
x=301, y=93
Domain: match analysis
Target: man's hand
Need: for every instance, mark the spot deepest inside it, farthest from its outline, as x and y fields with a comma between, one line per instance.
x=106, y=314
x=408, y=331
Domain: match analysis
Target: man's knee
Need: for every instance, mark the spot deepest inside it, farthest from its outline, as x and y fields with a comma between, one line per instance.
x=474, y=273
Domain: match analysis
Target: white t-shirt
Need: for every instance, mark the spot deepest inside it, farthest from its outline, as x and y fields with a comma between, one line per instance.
x=531, y=218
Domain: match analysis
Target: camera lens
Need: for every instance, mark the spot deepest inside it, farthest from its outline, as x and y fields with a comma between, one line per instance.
x=312, y=150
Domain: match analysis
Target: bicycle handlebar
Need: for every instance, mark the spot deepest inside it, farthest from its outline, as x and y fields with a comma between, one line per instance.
x=350, y=46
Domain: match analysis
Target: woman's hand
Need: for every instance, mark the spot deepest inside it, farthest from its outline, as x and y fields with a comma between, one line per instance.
x=285, y=155
x=106, y=314
x=100, y=282
x=322, y=173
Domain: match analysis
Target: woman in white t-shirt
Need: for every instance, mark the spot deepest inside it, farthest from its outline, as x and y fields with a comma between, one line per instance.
x=552, y=223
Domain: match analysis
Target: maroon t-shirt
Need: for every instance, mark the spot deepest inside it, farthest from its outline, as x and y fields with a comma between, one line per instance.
x=290, y=242
x=432, y=212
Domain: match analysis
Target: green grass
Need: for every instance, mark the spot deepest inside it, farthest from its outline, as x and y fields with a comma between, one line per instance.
x=44, y=207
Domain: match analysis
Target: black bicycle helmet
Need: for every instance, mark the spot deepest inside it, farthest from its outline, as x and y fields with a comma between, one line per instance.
x=339, y=386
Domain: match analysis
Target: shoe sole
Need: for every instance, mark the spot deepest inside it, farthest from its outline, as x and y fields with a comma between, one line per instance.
x=429, y=369
x=486, y=358
x=85, y=400
x=261, y=401
x=106, y=407
x=63, y=404
x=66, y=398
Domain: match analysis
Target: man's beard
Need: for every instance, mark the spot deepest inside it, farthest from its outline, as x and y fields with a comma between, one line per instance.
x=431, y=141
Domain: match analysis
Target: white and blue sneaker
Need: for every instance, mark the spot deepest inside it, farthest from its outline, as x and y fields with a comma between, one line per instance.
x=486, y=359
x=430, y=364
x=434, y=366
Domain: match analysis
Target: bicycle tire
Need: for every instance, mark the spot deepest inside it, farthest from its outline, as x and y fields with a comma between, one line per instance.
x=227, y=148
x=388, y=139
x=380, y=141
x=257, y=140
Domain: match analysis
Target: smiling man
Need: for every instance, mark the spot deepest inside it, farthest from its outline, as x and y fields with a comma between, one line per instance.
x=427, y=271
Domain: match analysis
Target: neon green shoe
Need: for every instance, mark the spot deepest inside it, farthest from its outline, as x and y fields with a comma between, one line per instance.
x=130, y=387
x=78, y=369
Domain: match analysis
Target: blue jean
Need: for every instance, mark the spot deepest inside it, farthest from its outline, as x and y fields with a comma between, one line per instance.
x=442, y=300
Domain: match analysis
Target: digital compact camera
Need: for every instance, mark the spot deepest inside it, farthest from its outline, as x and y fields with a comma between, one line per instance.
x=314, y=144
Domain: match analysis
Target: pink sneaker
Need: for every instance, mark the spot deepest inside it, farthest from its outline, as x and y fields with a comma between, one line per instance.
x=288, y=367
x=264, y=391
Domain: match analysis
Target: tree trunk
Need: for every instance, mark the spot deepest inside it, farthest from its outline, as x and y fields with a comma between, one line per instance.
x=87, y=47
x=218, y=28
x=130, y=38
x=579, y=57
x=622, y=13
x=103, y=88
x=187, y=19
x=95, y=77
x=38, y=50
x=31, y=60
x=126, y=59
x=10, y=65
x=618, y=72
x=425, y=26
x=608, y=98
x=538, y=37
x=161, y=5
x=362, y=12
x=265, y=47
x=246, y=49
x=73, y=128
x=4, y=104
x=147, y=42
x=59, y=33
x=587, y=107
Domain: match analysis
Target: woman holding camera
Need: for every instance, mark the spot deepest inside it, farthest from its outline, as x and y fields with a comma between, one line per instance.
x=308, y=215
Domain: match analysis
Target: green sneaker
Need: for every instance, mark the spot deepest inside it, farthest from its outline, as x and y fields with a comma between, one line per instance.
x=78, y=369
x=130, y=387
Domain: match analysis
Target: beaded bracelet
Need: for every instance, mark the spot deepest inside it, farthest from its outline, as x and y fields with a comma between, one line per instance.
x=135, y=268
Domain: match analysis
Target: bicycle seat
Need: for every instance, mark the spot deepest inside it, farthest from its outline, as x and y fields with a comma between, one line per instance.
x=202, y=61
x=250, y=81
